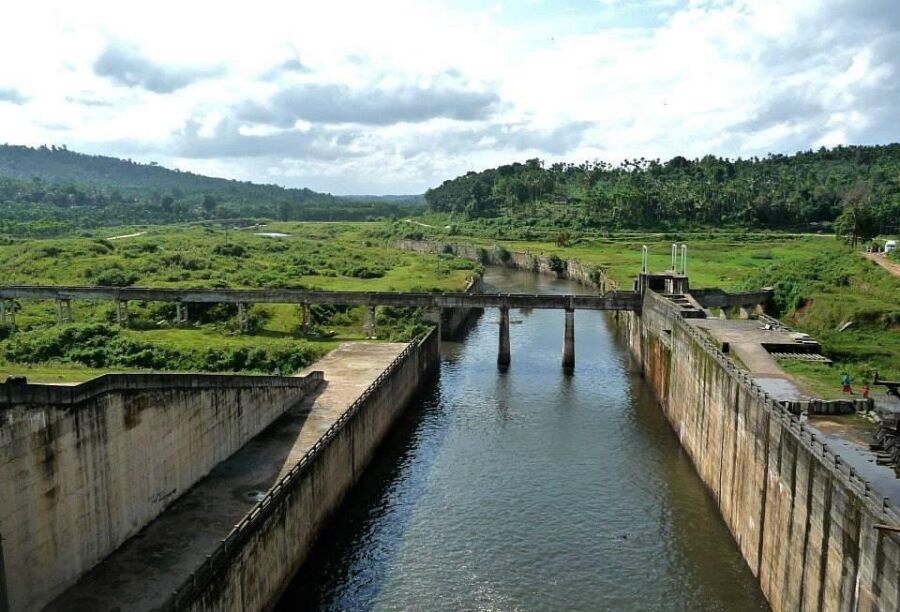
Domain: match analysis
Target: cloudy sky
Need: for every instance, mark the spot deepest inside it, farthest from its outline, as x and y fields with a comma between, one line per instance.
x=394, y=97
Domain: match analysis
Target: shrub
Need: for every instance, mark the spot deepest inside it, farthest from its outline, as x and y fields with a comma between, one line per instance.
x=230, y=250
x=556, y=264
x=114, y=277
x=102, y=346
x=49, y=251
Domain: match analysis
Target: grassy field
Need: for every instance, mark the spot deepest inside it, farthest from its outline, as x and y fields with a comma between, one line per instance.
x=820, y=285
x=311, y=256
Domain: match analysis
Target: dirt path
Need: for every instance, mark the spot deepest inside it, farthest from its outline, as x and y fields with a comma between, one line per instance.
x=881, y=260
x=134, y=235
x=424, y=224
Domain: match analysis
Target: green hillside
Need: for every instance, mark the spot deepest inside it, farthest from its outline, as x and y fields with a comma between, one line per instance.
x=47, y=191
x=806, y=190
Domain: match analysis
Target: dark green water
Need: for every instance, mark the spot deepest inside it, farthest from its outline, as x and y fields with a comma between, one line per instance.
x=529, y=490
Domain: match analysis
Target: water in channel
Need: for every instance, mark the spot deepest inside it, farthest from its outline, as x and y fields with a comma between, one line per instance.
x=529, y=490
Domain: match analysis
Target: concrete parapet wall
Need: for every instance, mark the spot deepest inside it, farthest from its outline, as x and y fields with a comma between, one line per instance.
x=85, y=467
x=256, y=562
x=837, y=406
x=803, y=520
x=13, y=393
x=575, y=270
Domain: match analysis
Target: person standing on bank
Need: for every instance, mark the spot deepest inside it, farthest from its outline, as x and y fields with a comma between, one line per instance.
x=845, y=384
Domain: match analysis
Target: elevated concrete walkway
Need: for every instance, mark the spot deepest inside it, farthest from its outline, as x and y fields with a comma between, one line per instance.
x=143, y=572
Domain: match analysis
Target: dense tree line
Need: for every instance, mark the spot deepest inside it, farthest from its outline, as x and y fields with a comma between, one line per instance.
x=48, y=191
x=774, y=191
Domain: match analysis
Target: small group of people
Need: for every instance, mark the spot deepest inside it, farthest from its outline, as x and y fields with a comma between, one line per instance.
x=848, y=389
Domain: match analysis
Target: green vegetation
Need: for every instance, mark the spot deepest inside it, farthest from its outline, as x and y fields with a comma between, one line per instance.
x=725, y=210
x=804, y=190
x=310, y=256
x=716, y=258
x=820, y=284
x=51, y=191
x=851, y=305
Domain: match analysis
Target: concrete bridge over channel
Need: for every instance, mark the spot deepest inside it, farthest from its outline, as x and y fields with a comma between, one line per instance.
x=671, y=284
x=64, y=295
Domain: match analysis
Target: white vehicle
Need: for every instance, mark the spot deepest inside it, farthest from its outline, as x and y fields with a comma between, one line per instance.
x=890, y=245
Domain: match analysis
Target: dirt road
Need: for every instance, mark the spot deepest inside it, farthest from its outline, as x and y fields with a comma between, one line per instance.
x=881, y=260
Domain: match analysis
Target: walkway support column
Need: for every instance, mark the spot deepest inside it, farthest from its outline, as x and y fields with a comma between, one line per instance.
x=503, y=357
x=63, y=311
x=369, y=321
x=568, y=357
x=7, y=312
x=122, y=313
x=304, y=318
x=181, y=313
x=243, y=317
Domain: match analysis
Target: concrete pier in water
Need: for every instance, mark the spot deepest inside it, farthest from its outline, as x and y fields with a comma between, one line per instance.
x=503, y=356
x=568, y=357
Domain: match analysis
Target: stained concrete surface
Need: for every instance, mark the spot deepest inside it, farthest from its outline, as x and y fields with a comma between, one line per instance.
x=144, y=571
x=745, y=338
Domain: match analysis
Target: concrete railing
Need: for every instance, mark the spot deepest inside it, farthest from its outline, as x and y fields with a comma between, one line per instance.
x=625, y=300
x=253, y=520
x=12, y=392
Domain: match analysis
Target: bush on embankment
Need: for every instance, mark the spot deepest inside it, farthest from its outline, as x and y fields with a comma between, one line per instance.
x=848, y=303
x=103, y=346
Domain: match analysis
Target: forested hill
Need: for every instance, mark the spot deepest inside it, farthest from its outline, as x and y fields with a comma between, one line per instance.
x=49, y=190
x=775, y=191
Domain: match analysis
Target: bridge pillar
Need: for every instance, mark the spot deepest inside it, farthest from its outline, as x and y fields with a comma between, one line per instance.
x=181, y=313
x=568, y=356
x=369, y=321
x=503, y=356
x=7, y=312
x=304, y=318
x=243, y=317
x=122, y=313
x=63, y=311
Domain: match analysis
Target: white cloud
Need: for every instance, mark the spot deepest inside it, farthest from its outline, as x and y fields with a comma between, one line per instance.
x=398, y=96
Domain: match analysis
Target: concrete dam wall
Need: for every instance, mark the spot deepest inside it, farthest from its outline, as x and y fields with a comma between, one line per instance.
x=806, y=524
x=85, y=467
x=255, y=563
